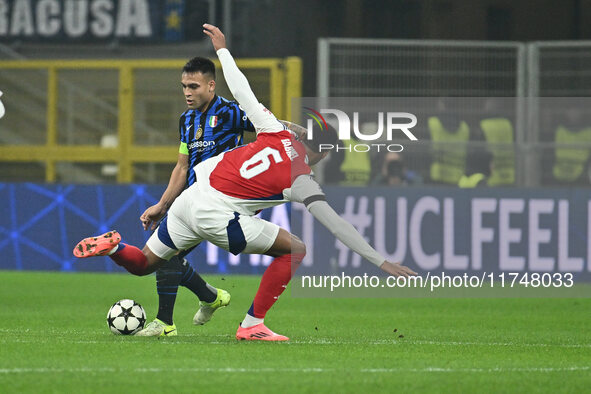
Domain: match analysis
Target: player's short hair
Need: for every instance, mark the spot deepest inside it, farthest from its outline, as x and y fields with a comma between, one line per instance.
x=326, y=136
x=320, y=136
x=200, y=65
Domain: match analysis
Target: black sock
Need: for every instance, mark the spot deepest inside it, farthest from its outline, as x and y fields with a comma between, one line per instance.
x=194, y=282
x=168, y=279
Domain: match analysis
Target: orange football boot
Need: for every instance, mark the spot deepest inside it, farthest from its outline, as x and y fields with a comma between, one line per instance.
x=97, y=246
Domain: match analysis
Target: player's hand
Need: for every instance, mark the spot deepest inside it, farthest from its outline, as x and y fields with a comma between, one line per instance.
x=217, y=37
x=152, y=216
x=397, y=269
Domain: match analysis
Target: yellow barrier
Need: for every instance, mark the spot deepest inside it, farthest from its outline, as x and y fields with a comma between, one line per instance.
x=284, y=83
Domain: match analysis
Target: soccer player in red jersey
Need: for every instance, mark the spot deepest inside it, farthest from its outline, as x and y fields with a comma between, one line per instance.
x=231, y=187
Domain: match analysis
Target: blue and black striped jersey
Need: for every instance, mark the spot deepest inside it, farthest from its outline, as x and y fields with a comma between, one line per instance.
x=206, y=134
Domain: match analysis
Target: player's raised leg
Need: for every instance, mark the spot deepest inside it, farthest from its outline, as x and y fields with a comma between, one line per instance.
x=288, y=251
x=172, y=235
x=136, y=261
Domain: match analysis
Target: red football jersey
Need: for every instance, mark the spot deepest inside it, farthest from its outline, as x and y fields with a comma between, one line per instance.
x=262, y=169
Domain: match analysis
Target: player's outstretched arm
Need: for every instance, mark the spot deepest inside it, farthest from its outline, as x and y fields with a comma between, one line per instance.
x=236, y=80
x=346, y=233
x=217, y=37
x=262, y=119
x=304, y=189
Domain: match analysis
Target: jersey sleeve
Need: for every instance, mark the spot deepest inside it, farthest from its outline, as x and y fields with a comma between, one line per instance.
x=183, y=136
x=242, y=122
x=262, y=119
x=305, y=190
x=245, y=122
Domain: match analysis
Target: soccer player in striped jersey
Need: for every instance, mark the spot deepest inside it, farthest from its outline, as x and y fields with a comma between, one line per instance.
x=210, y=125
x=231, y=187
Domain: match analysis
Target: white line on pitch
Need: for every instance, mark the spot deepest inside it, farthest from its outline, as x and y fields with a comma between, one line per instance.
x=295, y=370
x=319, y=341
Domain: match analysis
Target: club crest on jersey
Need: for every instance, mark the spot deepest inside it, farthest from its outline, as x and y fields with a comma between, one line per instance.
x=198, y=133
x=213, y=121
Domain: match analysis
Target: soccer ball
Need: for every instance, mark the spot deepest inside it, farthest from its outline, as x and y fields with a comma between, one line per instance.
x=126, y=317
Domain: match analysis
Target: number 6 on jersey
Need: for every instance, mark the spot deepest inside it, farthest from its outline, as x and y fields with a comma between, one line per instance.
x=260, y=162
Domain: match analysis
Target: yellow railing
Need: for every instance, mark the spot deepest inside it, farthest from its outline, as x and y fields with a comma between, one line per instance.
x=284, y=83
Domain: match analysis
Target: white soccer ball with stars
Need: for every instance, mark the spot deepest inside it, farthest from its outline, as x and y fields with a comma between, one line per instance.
x=126, y=317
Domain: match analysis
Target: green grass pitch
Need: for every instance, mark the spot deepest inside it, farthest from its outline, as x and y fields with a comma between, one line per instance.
x=54, y=338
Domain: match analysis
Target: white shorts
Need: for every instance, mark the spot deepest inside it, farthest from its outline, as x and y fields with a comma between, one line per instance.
x=195, y=217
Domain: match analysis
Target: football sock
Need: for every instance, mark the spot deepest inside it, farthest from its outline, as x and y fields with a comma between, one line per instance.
x=250, y=321
x=168, y=278
x=177, y=271
x=274, y=281
x=130, y=258
x=194, y=282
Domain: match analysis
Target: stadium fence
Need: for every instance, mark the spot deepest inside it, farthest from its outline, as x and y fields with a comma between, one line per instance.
x=437, y=68
x=97, y=121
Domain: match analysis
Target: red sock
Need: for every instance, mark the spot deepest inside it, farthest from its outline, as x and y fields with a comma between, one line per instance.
x=274, y=281
x=131, y=258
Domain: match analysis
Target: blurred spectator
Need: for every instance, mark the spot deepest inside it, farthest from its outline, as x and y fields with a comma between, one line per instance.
x=393, y=172
x=571, y=161
x=449, y=136
x=347, y=167
x=478, y=169
x=498, y=132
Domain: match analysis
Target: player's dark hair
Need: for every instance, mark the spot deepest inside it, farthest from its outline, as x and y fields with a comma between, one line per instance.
x=321, y=137
x=200, y=65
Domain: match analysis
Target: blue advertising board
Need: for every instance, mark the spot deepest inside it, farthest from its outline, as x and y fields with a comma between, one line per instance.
x=429, y=229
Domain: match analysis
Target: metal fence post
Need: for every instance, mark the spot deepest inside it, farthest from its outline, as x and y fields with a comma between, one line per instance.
x=530, y=162
x=52, y=92
x=125, y=123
